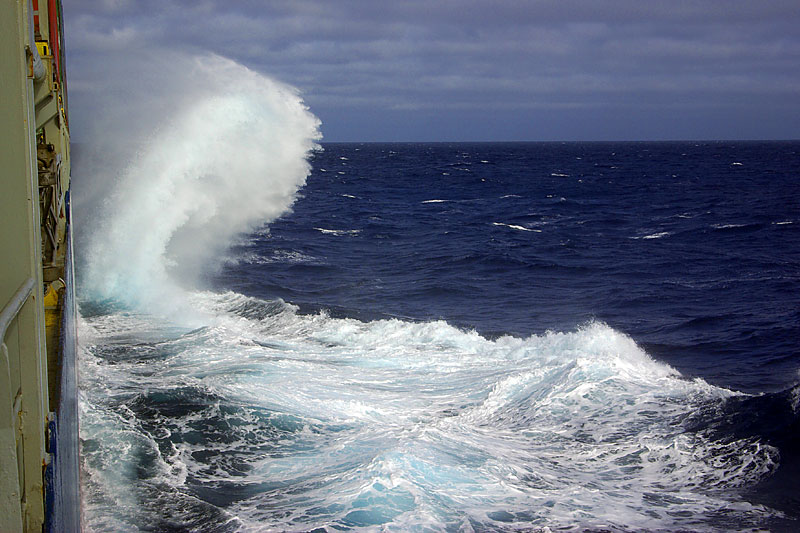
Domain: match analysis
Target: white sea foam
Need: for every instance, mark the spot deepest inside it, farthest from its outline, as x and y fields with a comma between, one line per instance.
x=392, y=423
x=292, y=422
x=339, y=232
x=659, y=235
x=728, y=226
x=516, y=227
x=277, y=256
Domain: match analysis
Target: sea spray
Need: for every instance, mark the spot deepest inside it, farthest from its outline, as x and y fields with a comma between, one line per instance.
x=230, y=156
x=275, y=420
x=290, y=417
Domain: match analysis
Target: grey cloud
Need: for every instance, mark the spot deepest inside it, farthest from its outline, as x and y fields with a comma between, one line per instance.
x=362, y=58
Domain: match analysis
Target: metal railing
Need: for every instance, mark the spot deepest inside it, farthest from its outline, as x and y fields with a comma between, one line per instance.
x=12, y=308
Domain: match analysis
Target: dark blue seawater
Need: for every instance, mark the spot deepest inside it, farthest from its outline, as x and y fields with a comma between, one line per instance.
x=693, y=249
x=472, y=337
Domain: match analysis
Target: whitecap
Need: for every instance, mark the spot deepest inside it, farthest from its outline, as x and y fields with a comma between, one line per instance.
x=278, y=256
x=338, y=232
x=516, y=227
x=658, y=235
x=727, y=226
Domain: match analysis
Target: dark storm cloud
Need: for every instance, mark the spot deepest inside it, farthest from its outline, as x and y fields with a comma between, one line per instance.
x=487, y=69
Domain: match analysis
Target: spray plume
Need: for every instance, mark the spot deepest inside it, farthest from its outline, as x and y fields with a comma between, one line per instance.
x=230, y=155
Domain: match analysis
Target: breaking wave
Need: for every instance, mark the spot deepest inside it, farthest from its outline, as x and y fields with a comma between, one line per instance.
x=270, y=419
x=229, y=157
x=258, y=417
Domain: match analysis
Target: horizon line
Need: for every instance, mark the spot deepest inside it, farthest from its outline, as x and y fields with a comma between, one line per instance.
x=564, y=141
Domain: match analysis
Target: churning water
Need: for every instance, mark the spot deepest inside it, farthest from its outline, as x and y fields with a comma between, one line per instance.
x=429, y=337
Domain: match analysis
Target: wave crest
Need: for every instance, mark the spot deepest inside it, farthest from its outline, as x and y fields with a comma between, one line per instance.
x=230, y=156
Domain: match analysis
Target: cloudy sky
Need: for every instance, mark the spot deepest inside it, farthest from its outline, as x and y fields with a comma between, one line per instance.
x=456, y=70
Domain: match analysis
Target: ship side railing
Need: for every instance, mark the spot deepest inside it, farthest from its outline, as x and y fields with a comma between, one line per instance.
x=13, y=307
x=13, y=488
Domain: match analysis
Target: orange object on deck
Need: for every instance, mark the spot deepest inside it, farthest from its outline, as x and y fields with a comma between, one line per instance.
x=55, y=36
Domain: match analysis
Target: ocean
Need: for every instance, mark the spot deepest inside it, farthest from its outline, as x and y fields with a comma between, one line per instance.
x=461, y=337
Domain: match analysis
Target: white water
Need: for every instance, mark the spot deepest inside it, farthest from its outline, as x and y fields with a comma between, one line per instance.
x=229, y=156
x=264, y=419
x=399, y=425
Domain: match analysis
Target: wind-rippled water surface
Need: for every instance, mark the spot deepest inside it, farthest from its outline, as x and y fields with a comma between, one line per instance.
x=470, y=337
